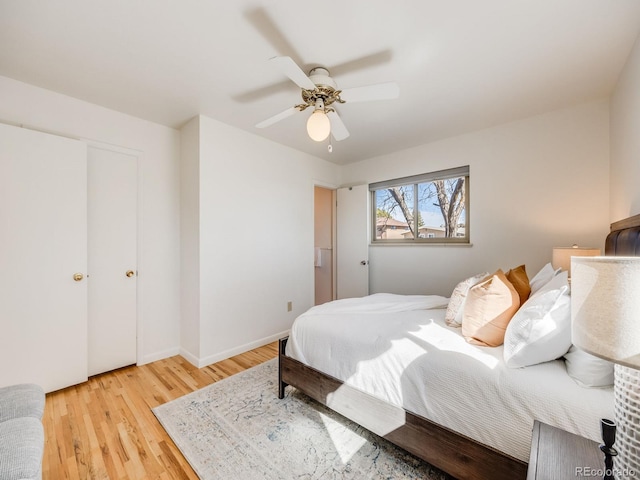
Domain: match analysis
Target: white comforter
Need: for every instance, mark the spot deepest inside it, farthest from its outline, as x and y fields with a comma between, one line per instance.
x=398, y=348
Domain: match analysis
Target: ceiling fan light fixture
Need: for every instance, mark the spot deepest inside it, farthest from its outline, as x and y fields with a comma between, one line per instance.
x=318, y=125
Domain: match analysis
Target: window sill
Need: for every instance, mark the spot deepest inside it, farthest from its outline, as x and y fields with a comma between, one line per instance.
x=420, y=244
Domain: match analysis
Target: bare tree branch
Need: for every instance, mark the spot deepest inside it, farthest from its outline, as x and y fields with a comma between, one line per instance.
x=398, y=195
x=451, y=205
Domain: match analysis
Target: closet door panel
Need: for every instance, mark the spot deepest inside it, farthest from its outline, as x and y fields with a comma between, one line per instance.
x=112, y=236
x=43, y=245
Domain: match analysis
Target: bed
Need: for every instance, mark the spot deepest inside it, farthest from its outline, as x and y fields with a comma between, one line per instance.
x=411, y=394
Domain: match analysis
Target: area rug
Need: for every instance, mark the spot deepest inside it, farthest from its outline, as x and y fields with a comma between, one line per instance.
x=237, y=428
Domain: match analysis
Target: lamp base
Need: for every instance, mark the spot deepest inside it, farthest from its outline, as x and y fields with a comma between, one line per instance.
x=627, y=415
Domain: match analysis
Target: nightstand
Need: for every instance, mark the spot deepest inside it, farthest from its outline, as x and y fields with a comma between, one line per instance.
x=560, y=455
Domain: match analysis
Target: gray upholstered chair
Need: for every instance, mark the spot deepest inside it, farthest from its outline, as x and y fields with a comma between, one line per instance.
x=21, y=432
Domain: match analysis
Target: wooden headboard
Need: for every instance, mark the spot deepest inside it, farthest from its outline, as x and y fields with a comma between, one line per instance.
x=624, y=239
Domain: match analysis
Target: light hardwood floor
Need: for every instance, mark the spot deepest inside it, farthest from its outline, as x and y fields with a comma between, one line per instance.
x=104, y=428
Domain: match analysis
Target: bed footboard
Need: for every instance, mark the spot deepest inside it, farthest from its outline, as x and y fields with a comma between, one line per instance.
x=460, y=456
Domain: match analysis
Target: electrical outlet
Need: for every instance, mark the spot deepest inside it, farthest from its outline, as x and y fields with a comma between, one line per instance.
x=289, y=306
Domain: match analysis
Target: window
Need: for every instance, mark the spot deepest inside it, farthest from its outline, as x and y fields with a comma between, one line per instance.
x=428, y=208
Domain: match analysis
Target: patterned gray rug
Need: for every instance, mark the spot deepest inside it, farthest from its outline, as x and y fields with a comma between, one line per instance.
x=237, y=428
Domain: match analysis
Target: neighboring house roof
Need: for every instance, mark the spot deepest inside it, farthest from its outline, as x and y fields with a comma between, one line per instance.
x=390, y=222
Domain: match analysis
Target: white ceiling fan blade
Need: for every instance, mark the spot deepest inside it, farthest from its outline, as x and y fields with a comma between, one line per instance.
x=276, y=118
x=338, y=129
x=294, y=72
x=381, y=91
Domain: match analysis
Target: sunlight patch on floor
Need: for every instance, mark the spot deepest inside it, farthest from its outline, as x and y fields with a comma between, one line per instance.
x=347, y=442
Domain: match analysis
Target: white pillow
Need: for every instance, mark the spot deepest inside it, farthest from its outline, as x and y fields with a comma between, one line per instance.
x=545, y=274
x=560, y=280
x=453, y=315
x=588, y=370
x=540, y=331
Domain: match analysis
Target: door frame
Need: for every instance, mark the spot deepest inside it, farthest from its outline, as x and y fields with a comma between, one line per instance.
x=139, y=231
x=334, y=189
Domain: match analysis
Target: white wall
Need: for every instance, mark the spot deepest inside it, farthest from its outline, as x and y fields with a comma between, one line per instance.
x=159, y=261
x=256, y=238
x=190, y=240
x=534, y=184
x=625, y=140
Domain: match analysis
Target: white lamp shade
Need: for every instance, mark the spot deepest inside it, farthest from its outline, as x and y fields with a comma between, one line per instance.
x=318, y=125
x=605, y=307
x=561, y=257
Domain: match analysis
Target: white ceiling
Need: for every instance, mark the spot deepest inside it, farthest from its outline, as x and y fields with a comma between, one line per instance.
x=461, y=64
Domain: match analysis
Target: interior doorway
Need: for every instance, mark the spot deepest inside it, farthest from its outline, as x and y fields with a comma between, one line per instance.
x=324, y=241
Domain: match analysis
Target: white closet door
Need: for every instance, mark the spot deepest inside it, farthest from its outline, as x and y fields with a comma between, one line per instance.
x=112, y=221
x=352, y=238
x=43, y=243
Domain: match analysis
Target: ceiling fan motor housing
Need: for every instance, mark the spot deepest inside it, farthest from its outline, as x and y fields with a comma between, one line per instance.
x=320, y=76
x=325, y=88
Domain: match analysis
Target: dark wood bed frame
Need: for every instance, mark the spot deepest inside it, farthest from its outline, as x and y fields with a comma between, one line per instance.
x=456, y=454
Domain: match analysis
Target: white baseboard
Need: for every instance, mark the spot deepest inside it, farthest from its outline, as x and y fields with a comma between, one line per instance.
x=189, y=357
x=208, y=360
x=153, y=357
x=216, y=357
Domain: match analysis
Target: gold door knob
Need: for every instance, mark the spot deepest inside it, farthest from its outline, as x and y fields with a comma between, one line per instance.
x=78, y=276
x=130, y=273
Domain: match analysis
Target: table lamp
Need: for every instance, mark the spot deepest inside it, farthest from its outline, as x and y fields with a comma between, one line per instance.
x=605, y=322
x=561, y=257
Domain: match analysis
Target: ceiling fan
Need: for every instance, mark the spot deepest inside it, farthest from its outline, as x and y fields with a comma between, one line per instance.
x=320, y=92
